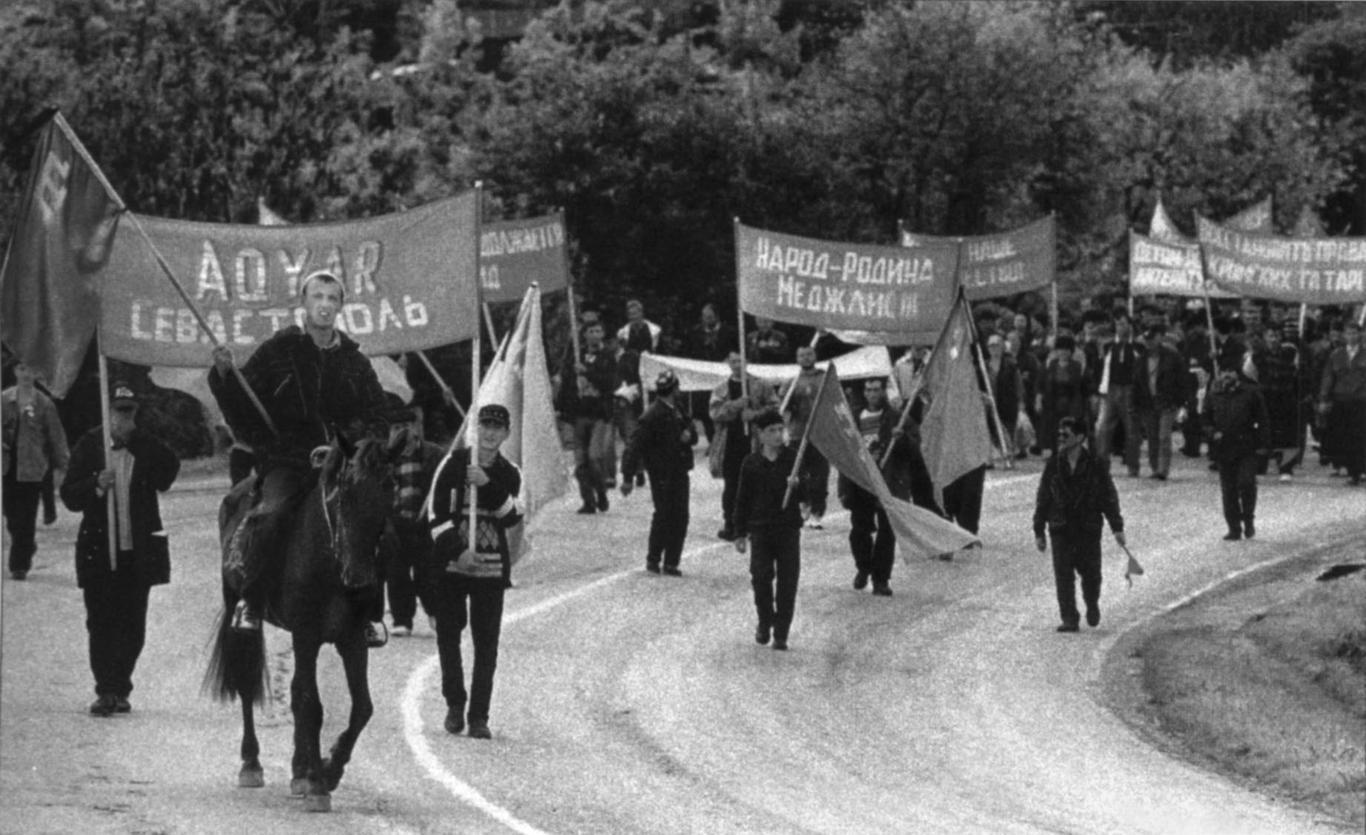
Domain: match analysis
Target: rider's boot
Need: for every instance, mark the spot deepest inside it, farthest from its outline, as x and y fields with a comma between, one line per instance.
x=246, y=617
x=376, y=634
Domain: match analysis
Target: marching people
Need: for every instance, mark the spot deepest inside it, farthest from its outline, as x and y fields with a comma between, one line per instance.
x=731, y=411
x=469, y=583
x=711, y=340
x=1159, y=392
x=405, y=549
x=638, y=334
x=315, y=384
x=1076, y=497
x=770, y=530
x=1007, y=390
x=1237, y=425
x=1342, y=397
x=34, y=450
x=800, y=396
x=627, y=402
x=662, y=447
x=1279, y=375
x=766, y=344
x=139, y=467
x=1121, y=362
x=589, y=399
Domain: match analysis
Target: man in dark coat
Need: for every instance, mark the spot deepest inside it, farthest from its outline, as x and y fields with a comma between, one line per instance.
x=316, y=384
x=1237, y=424
x=405, y=549
x=662, y=446
x=1159, y=393
x=116, y=595
x=1076, y=496
x=588, y=396
x=1342, y=395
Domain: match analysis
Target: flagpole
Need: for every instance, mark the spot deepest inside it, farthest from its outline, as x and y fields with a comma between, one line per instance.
x=161, y=262
x=446, y=392
x=111, y=515
x=801, y=448
x=472, y=426
x=740, y=325
x=488, y=322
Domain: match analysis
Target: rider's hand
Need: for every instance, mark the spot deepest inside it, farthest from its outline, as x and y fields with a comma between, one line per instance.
x=741, y=542
x=1041, y=543
x=1119, y=537
x=105, y=480
x=222, y=359
x=627, y=485
x=474, y=474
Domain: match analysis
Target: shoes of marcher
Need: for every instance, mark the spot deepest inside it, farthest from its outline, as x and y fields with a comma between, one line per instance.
x=244, y=619
x=1069, y=627
x=401, y=630
x=1160, y=476
x=376, y=635
x=861, y=580
x=1093, y=616
x=480, y=730
x=672, y=571
x=50, y=516
x=779, y=643
x=814, y=523
x=588, y=507
x=1233, y=536
x=1248, y=530
x=602, y=501
x=652, y=567
x=882, y=589
x=761, y=634
x=103, y=706
x=122, y=705
x=727, y=534
x=640, y=479
x=19, y=575
x=455, y=719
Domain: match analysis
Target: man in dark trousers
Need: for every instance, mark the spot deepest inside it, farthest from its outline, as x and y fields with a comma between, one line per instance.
x=662, y=446
x=469, y=582
x=800, y=396
x=316, y=384
x=1121, y=362
x=1159, y=393
x=1342, y=396
x=139, y=467
x=589, y=402
x=406, y=547
x=732, y=408
x=770, y=529
x=1237, y=424
x=1076, y=496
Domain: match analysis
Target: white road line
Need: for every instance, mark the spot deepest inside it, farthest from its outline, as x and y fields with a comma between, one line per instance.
x=417, y=685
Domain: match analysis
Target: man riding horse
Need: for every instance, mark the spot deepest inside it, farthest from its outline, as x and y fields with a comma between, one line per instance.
x=315, y=384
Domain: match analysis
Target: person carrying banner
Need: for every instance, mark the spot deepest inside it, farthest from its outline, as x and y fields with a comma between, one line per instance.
x=800, y=396
x=316, y=384
x=470, y=583
x=769, y=529
x=139, y=467
x=1240, y=432
x=589, y=402
x=34, y=446
x=662, y=446
x=1076, y=496
x=734, y=403
x=1342, y=396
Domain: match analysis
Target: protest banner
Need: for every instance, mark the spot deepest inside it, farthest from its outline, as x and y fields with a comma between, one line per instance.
x=514, y=254
x=991, y=266
x=411, y=282
x=1168, y=267
x=702, y=375
x=891, y=295
x=1296, y=270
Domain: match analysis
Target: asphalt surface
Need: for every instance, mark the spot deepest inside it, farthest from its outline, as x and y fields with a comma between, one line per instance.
x=629, y=702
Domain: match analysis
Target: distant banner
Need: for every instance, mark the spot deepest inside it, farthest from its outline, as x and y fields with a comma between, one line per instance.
x=893, y=295
x=1296, y=270
x=701, y=375
x=992, y=266
x=410, y=278
x=1167, y=268
x=515, y=253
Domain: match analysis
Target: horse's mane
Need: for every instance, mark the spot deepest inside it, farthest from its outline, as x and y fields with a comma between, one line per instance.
x=361, y=486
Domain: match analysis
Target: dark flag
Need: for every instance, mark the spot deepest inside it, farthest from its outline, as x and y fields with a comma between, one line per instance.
x=953, y=434
x=49, y=305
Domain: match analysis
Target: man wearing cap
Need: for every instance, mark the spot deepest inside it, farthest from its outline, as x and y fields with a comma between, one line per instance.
x=770, y=529
x=1236, y=421
x=316, y=384
x=662, y=447
x=1159, y=392
x=34, y=445
x=139, y=467
x=469, y=582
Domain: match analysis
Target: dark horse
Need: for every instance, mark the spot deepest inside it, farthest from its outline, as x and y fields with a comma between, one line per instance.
x=329, y=552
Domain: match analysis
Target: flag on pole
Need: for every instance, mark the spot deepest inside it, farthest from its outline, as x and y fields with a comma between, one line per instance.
x=520, y=380
x=49, y=304
x=834, y=432
x=266, y=216
x=1161, y=228
x=953, y=434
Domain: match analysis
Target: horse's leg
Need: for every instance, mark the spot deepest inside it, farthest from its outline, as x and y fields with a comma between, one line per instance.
x=355, y=656
x=251, y=776
x=306, y=705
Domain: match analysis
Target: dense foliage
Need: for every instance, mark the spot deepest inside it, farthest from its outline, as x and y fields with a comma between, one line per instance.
x=655, y=125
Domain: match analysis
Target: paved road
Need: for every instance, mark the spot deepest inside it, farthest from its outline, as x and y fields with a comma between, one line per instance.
x=628, y=702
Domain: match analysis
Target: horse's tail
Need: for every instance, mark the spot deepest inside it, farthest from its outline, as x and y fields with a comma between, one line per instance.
x=237, y=665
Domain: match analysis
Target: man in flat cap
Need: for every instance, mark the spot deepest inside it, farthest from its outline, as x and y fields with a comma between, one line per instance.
x=662, y=446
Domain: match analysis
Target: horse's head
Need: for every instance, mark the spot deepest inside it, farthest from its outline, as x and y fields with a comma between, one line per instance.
x=358, y=490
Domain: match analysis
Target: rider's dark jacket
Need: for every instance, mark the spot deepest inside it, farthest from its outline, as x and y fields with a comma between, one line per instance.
x=311, y=394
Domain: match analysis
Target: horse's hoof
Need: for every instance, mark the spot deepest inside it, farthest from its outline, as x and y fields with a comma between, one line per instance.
x=317, y=803
x=298, y=787
x=250, y=778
